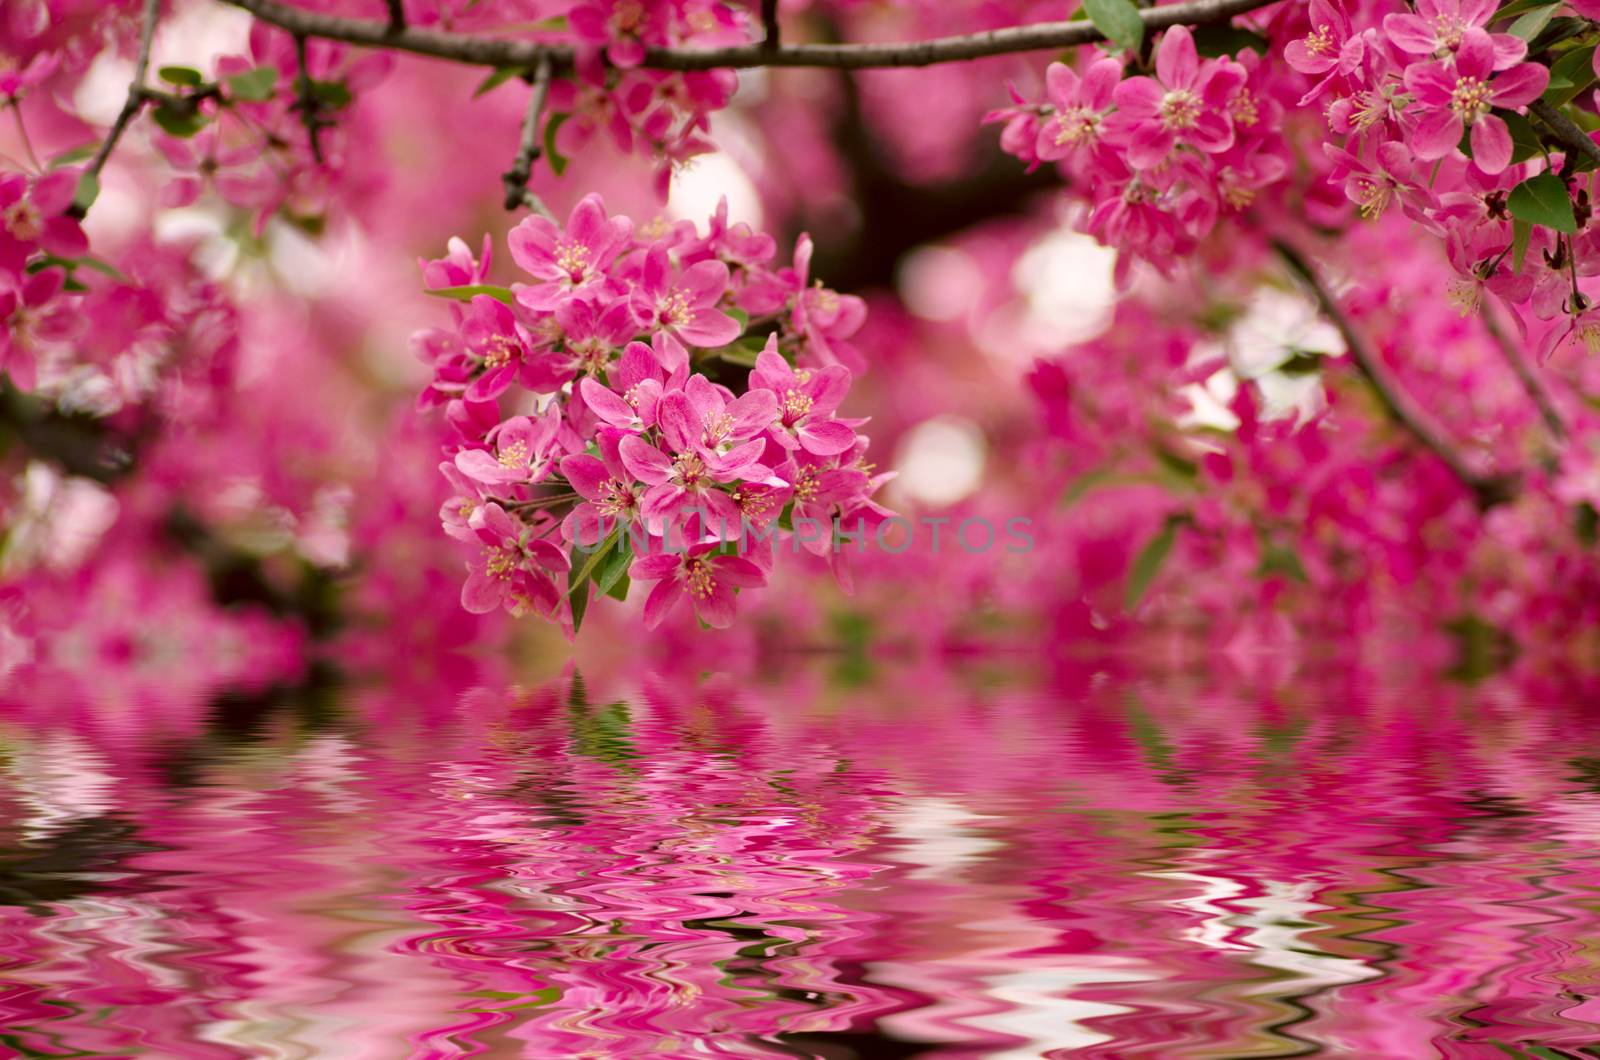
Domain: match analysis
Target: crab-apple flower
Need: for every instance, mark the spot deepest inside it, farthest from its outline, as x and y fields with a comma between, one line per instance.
x=568, y=260
x=36, y=314
x=523, y=452
x=806, y=402
x=683, y=302
x=1460, y=95
x=1080, y=106
x=1440, y=27
x=33, y=216
x=610, y=492
x=512, y=569
x=1185, y=103
x=498, y=344
x=709, y=577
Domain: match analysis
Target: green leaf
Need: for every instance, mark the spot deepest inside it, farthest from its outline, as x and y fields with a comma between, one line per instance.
x=614, y=568
x=742, y=352
x=92, y=262
x=187, y=76
x=1524, y=138
x=88, y=191
x=253, y=86
x=466, y=292
x=1543, y=200
x=1569, y=75
x=1216, y=39
x=1521, y=231
x=552, y=125
x=1281, y=560
x=498, y=77
x=580, y=604
x=578, y=575
x=332, y=95
x=1532, y=23
x=81, y=153
x=1148, y=562
x=1119, y=20
x=179, y=119
x=619, y=591
x=1517, y=7
x=1558, y=30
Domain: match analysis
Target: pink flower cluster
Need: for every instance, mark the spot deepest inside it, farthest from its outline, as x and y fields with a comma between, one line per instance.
x=1155, y=158
x=662, y=113
x=37, y=312
x=601, y=424
x=1426, y=102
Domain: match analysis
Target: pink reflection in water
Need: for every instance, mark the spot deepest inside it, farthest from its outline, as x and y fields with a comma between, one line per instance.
x=1161, y=866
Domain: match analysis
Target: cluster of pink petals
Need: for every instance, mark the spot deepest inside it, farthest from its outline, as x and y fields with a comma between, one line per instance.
x=593, y=401
x=660, y=113
x=1155, y=159
x=1417, y=102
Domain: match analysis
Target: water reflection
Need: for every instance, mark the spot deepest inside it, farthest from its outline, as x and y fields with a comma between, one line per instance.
x=1092, y=864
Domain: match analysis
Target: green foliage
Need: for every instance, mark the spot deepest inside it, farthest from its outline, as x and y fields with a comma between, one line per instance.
x=1119, y=20
x=253, y=86
x=466, y=292
x=179, y=117
x=185, y=76
x=498, y=77
x=552, y=125
x=1543, y=200
x=1147, y=564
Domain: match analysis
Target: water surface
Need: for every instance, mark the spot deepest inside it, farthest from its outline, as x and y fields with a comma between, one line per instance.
x=936, y=863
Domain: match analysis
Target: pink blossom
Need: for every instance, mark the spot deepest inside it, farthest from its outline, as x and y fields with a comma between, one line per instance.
x=1453, y=97
x=571, y=260
x=725, y=430
x=458, y=268
x=35, y=313
x=16, y=81
x=33, y=216
x=499, y=344
x=806, y=402
x=683, y=303
x=1080, y=106
x=1321, y=50
x=707, y=576
x=637, y=384
x=510, y=570
x=610, y=492
x=1442, y=26
x=522, y=452
x=1186, y=102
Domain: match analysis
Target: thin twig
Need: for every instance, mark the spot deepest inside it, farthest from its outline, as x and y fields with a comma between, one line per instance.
x=501, y=51
x=1487, y=490
x=1565, y=129
x=138, y=96
x=306, y=99
x=516, y=178
x=397, y=16
x=770, y=36
x=22, y=134
x=1525, y=375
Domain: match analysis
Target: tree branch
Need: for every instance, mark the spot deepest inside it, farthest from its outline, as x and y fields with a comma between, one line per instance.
x=499, y=51
x=1565, y=129
x=397, y=16
x=306, y=99
x=516, y=178
x=1487, y=490
x=1525, y=375
x=770, y=37
x=138, y=96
